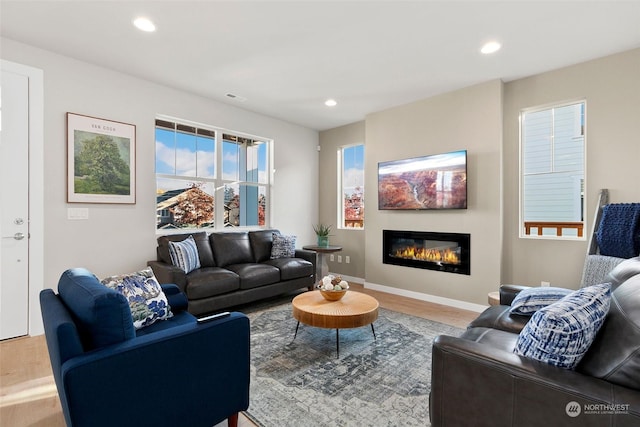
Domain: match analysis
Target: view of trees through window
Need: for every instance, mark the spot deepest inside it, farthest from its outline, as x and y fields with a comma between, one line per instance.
x=197, y=165
x=552, y=168
x=352, y=183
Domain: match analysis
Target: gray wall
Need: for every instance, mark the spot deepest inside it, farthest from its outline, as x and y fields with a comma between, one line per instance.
x=121, y=238
x=611, y=87
x=351, y=240
x=484, y=120
x=468, y=119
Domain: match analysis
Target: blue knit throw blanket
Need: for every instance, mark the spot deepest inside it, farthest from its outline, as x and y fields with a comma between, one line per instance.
x=619, y=232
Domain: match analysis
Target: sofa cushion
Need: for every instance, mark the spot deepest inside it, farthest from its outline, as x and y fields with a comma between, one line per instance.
x=253, y=275
x=147, y=301
x=202, y=242
x=533, y=299
x=212, y=281
x=231, y=248
x=615, y=354
x=102, y=315
x=184, y=255
x=283, y=246
x=292, y=268
x=261, y=242
x=561, y=333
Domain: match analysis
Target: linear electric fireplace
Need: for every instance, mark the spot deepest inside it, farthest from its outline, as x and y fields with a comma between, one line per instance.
x=449, y=252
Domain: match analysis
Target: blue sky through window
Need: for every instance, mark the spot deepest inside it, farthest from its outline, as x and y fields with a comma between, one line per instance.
x=353, y=168
x=184, y=154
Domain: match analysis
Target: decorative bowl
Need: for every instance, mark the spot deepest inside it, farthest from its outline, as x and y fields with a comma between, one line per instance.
x=332, y=287
x=333, y=295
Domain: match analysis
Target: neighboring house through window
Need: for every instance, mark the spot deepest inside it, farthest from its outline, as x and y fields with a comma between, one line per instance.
x=351, y=186
x=198, y=165
x=552, y=156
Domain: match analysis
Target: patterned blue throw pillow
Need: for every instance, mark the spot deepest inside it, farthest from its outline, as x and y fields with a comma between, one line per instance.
x=147, y=301
x=283, y=246
x=184, y=254
x=533, y=299
x=561, y=333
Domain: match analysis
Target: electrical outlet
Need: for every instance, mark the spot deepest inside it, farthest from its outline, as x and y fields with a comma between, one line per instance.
x=543, y=283
x=347, y=259
x=339, y=258
x=332, y=258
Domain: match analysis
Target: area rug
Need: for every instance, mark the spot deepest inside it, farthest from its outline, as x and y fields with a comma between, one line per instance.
x=375, y=382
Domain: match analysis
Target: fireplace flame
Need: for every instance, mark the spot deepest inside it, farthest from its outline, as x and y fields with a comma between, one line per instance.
x=431, y=255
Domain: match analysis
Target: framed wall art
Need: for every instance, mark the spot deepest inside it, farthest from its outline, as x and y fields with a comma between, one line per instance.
x=101, y=160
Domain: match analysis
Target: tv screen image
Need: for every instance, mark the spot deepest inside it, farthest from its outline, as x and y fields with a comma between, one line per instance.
x=429, y=182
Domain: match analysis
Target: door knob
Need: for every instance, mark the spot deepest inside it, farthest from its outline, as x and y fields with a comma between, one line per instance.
x=17, y=236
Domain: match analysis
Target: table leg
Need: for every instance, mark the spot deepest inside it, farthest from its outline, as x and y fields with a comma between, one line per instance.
x=337, y=345
x=296, y=334
x=374, y=333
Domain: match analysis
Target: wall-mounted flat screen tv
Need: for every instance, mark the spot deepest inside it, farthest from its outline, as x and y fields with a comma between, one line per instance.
x=437, y=181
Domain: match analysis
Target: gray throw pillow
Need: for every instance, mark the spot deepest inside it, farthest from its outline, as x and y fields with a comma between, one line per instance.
x=283, y=246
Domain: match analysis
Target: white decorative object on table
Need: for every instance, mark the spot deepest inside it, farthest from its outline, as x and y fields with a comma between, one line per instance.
x=333, y=287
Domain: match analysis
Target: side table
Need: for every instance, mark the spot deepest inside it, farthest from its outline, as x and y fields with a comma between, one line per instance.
x=322, y=269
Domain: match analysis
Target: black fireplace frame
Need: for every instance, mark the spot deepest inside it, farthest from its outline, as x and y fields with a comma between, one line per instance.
x=463, y=240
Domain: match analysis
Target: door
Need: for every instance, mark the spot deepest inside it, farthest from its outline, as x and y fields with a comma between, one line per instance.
x=14, y=205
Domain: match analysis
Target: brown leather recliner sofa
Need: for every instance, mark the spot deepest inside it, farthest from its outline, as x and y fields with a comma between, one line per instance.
x=477, y=379
x=236, y=268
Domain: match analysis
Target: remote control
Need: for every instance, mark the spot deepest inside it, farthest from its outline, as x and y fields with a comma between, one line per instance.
x=213, y=316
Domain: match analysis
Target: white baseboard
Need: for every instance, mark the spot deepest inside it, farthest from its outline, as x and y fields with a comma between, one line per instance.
x=426, y=297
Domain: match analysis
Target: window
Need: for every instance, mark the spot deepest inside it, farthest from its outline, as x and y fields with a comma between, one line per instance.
x=197, y=165
x=552, y=150
x=351, y=186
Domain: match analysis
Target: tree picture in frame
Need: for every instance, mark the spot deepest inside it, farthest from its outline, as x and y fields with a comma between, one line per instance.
x=101, y=164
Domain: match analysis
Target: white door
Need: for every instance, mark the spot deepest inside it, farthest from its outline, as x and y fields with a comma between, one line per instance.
x=14, y=205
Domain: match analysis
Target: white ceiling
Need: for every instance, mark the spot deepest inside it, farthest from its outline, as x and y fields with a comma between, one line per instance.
x=287, y=58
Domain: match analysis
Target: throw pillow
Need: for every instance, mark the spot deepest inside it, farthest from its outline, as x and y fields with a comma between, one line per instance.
x=283, y=246
x=184, y=254
x=531, y=300
x=147, y=301
x=561, y=333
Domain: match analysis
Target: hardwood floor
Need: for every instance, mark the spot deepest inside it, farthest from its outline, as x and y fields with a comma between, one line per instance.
x=28, y=395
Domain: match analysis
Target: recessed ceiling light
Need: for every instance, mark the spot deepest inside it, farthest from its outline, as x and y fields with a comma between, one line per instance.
x=144, y=24
x=330, y=103
x=490, y=47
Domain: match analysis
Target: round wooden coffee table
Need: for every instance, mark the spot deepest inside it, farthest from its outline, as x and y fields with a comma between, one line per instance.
x=354, y=310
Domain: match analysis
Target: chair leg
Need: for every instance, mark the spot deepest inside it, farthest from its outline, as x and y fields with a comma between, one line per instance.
x=232, y=421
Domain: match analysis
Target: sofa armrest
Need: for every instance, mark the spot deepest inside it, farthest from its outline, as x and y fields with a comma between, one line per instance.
x=194, y=374
x=167, y=273
x=493, y=387
x=176, y=298
x=308, y=256
x=509, y=292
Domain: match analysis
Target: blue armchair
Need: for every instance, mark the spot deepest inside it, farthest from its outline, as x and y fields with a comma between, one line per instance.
x=175, y=372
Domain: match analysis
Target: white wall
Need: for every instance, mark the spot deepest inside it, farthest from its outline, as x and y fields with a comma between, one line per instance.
x=121, y=238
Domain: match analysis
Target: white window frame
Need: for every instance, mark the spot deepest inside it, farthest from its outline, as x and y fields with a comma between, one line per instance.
x=340, y=202
x=521, y=220
x=218, y=181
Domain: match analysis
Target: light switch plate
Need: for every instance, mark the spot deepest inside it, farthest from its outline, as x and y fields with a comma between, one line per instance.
x=77, y=213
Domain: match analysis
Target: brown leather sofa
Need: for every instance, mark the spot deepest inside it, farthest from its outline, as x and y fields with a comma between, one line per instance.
x=477, y=379
x=235, y=269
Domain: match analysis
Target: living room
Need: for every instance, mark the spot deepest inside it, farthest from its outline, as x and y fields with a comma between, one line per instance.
x=481, y=118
